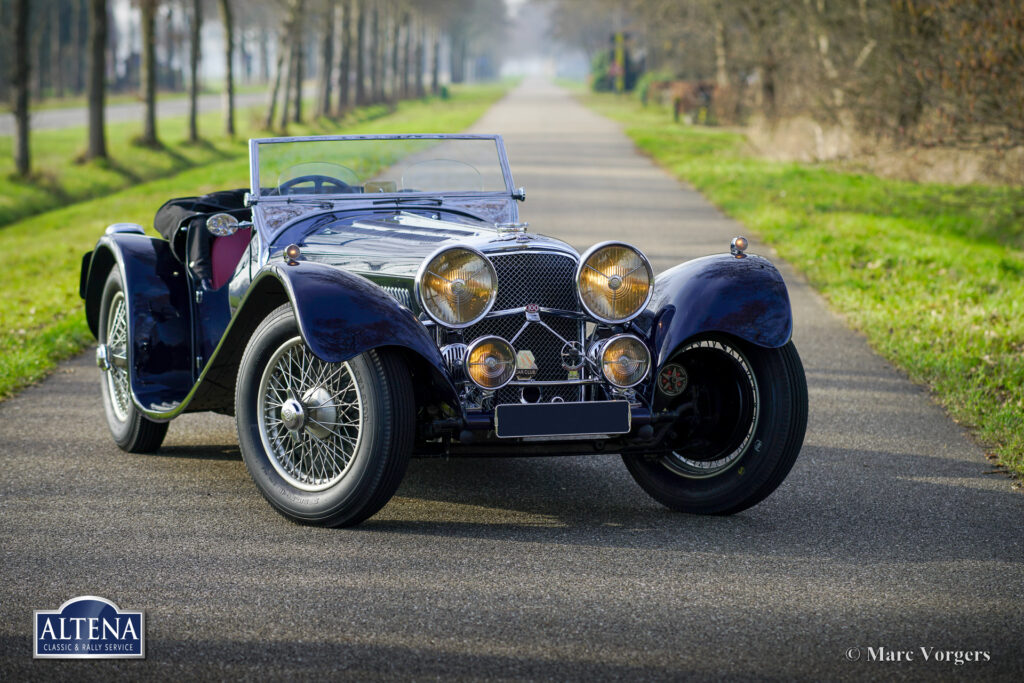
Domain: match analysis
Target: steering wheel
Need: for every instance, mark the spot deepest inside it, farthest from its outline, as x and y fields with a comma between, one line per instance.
x=319, y=181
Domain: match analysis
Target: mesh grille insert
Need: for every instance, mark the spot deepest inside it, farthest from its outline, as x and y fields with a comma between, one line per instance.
x=542, y=279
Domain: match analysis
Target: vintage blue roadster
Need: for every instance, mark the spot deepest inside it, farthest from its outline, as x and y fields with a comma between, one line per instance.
x=370, y=298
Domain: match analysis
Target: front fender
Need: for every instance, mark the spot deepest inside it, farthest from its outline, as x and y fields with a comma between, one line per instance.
x=341, y=315
x=744, y=297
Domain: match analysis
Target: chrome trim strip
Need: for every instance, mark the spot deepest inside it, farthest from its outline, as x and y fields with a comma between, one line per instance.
x=551, y=383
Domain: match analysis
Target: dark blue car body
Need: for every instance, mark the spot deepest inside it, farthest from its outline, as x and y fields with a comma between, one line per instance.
x=352, y=289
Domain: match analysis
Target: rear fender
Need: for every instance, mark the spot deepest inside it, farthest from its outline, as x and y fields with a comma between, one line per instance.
x=744, y=297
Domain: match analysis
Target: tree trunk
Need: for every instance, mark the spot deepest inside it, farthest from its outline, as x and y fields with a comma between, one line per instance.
x=345, y=63
x=458, y=58
x=768, y=69
x=19, y=86
x=300, y=58
x=396, y=44
x=407, y=56
x=264, y=55
x=79, y=51
x=435, y=67
x=56, y=52
x=375, y=56
x=229, y=72
x=421, y=47
x=5, y=70
x=193, y=71
x=37, y=32
x=361, y=55
x=324, y=94
x=721, y=54
x=286, y=96
x=97, y=79
x=168, y=76
x=268, y=122
x=149, y=72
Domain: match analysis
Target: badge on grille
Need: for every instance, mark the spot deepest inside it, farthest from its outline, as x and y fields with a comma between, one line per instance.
x=526, y=364
x=533, y=312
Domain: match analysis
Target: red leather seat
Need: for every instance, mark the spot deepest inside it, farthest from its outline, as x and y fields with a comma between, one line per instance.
x=225, y=252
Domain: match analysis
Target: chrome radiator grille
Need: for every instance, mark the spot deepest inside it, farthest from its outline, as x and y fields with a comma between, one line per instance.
x=546, y=280
x=542, y=279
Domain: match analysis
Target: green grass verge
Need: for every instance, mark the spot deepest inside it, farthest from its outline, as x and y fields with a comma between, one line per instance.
x=932, y=274
x=212, y=87
x=41, y=315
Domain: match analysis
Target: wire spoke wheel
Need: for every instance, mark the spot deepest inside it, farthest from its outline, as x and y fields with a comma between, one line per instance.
x=310, y=417
x=117, y=345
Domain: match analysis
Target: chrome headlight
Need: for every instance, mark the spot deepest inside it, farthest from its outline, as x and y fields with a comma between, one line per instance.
x=615, y=282
x=625, y=360
x=457, y=286
x=490, y=362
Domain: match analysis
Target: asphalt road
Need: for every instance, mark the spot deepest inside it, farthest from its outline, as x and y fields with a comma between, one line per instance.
x=888, y=533
x=49, y=119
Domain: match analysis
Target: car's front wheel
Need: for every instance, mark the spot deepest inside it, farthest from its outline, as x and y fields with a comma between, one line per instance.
x=743, y=413
x=132, y=431
x=325, y=443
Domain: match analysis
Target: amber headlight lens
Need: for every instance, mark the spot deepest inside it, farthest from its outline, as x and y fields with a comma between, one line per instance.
x=615, y=282
x=457, y=286
x=490, y=362
x=625, y=360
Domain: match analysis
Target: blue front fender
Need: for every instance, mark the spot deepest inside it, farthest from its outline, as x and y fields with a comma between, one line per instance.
x=341, y=315
x=744, y=297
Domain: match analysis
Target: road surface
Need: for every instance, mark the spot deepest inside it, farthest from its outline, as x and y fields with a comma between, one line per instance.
x=889, y=533
x=49, y=119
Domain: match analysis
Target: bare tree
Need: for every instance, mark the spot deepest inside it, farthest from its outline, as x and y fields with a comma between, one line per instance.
x=345, y=63
x=405, y=90
x=361, y=98
x=421, y=46
x=299, y=62
x=229, y=71
x=56, y=51
x=375, y=57
x=324, y=93
x=96, y=80
x=193, y=71
x=435, y=66
x=149, y=136
x=19, y=86
x=396, y=44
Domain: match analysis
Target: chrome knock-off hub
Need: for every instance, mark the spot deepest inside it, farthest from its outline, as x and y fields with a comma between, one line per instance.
x=293, y=415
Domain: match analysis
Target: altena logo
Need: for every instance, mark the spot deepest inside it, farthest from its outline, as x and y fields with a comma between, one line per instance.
x=88, y=627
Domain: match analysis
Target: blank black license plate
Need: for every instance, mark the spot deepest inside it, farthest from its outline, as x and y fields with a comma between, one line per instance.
x=561, y=419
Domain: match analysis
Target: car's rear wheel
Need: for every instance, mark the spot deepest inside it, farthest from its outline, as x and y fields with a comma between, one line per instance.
x=742, y=423
x=325, y=443
x=132, y=431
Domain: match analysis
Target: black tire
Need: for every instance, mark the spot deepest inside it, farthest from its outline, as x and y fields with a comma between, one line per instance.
x=301, y=471
x=735, y=459
x=132, y=431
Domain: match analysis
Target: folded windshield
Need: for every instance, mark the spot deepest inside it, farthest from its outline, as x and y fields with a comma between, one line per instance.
x=344, y=167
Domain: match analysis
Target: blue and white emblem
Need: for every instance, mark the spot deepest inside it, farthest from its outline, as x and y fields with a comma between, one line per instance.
x=89, y=627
